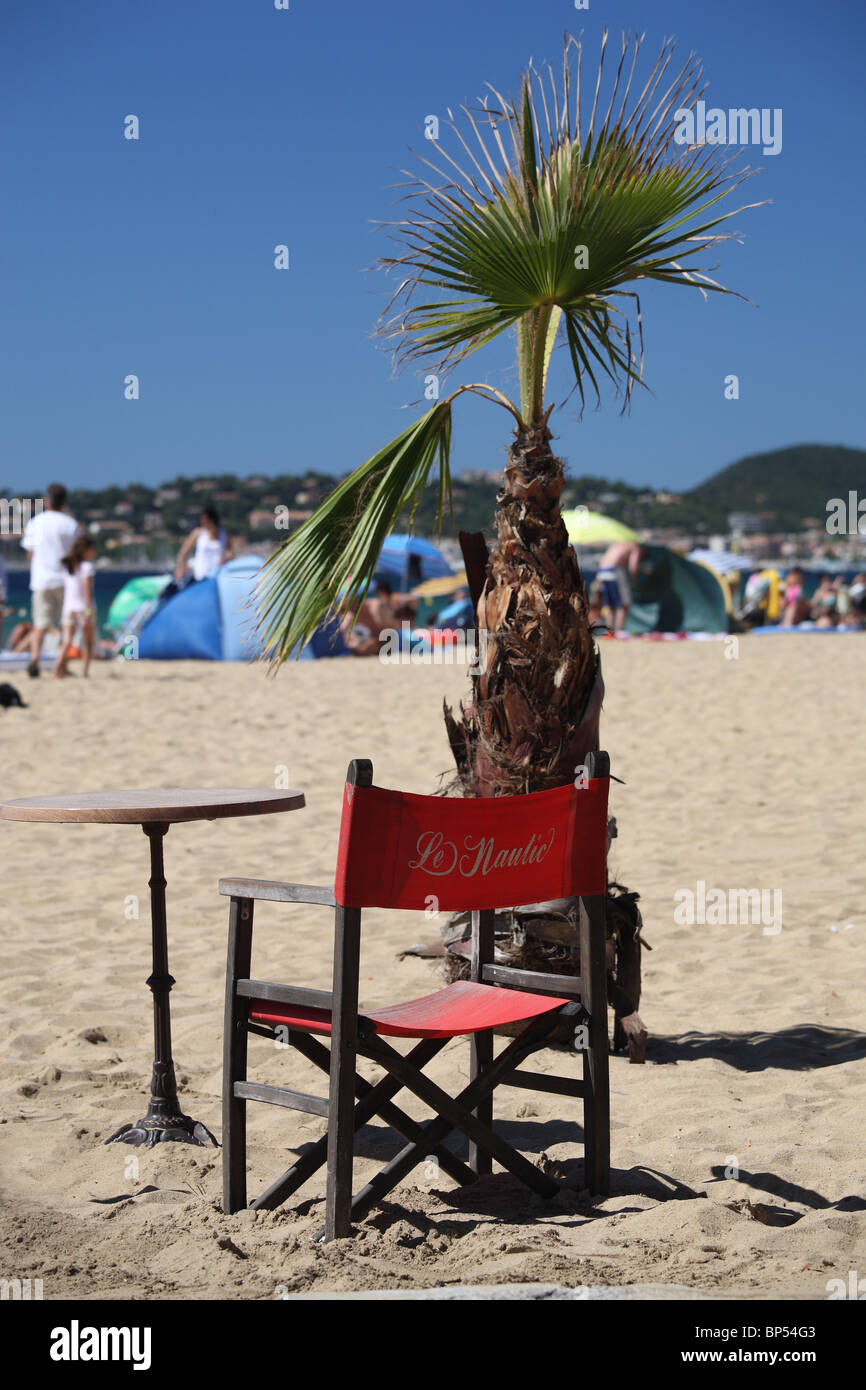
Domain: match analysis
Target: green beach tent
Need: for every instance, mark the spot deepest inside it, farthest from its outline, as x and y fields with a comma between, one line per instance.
x=134, y=593
x=673, y=594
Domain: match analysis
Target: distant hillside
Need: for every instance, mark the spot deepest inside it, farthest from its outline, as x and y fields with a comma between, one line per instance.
x=785, y=486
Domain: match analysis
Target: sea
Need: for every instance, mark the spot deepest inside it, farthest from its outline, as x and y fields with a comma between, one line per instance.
x=107, y=583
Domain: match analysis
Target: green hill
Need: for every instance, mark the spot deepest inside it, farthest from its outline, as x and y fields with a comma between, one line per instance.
x=785, y=486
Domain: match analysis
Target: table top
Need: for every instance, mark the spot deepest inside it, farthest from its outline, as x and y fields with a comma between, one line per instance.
x=155, y=804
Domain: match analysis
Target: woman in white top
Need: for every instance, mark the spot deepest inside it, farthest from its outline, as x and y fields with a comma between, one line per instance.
x=212, y=547
x=78, y=605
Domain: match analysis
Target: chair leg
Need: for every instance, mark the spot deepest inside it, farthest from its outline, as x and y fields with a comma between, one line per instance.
x=341, y=1149
x=596, y=1103
x=341, y=1093
x=481, y=1044
x=234, y=1159
x=480, y=1057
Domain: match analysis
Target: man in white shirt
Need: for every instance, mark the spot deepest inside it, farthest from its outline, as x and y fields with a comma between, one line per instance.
x=48, y=536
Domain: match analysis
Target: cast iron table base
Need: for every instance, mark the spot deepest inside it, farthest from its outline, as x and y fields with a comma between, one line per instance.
x=164, y=1122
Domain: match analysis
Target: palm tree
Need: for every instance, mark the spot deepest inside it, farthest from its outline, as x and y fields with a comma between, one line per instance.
x=540, y=223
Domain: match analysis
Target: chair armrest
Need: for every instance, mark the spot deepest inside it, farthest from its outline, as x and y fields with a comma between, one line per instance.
x=285, y=994
x=273, y=891
x=535, y=981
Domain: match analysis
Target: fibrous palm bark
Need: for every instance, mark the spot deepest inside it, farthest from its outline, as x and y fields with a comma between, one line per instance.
x=536, y=697
x=534, y=715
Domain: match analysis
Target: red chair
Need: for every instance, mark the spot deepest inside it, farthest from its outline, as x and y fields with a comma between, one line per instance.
x=399, y=850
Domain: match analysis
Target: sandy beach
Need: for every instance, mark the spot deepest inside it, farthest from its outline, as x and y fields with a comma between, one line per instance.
x=744, y=773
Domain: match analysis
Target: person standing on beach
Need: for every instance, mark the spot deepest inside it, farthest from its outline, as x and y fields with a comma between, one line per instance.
x=210, y=544
x=620, y=564
x=78, y=605
x=48, y=537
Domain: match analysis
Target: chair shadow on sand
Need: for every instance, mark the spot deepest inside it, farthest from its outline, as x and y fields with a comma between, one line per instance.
x=500, y=1196
x=802, y=1047
x=377, y=1141
x=776, y=1186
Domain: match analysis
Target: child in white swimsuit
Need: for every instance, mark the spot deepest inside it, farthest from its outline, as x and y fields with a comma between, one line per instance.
x=78, y=605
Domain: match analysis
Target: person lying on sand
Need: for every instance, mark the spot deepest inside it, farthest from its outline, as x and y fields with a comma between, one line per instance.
x=375, y=613
x=824, y=603
x=596, y=607
x=19, y=637
x=359, y=633
x=798, y=609
x=381, y=611
x=852, y=607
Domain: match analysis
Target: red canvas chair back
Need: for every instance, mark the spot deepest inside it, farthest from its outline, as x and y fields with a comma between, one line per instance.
x=400, y=850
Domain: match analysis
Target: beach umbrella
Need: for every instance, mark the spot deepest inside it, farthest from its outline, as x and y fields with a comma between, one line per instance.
x=405, y=560
x=722, y=561
x=439, y=587
x=591, y=528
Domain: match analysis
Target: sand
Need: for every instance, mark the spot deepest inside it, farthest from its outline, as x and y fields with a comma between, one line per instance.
x=739, y=773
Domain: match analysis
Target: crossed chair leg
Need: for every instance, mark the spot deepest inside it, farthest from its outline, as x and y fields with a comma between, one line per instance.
x=468, y=1112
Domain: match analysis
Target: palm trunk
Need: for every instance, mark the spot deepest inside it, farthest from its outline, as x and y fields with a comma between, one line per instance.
x=534, y=709
x=533, y=716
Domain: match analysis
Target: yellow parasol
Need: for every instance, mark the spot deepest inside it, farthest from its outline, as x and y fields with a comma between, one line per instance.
x=442, y=584
x=591, y=528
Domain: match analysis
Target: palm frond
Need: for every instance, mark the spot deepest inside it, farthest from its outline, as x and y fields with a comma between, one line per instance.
x=495, y=241
x=492, y=238
x=326, y=567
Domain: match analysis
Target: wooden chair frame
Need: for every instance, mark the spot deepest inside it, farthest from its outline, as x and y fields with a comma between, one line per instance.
x=352, y=1101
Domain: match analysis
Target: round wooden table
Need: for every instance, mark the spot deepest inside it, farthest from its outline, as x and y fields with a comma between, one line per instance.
x=155, y=810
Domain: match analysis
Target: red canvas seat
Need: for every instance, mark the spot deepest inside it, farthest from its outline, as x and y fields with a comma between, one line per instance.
x=400, y=850
x=464, y=1007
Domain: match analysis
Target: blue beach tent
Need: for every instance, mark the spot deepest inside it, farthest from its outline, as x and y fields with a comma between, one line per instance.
x=216, y=620
x=212, y=620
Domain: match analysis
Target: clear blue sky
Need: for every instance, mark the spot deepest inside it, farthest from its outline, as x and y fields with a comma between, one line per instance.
x=261, y=127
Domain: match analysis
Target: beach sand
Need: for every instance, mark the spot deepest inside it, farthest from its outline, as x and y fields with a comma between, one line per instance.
x=739, y=773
